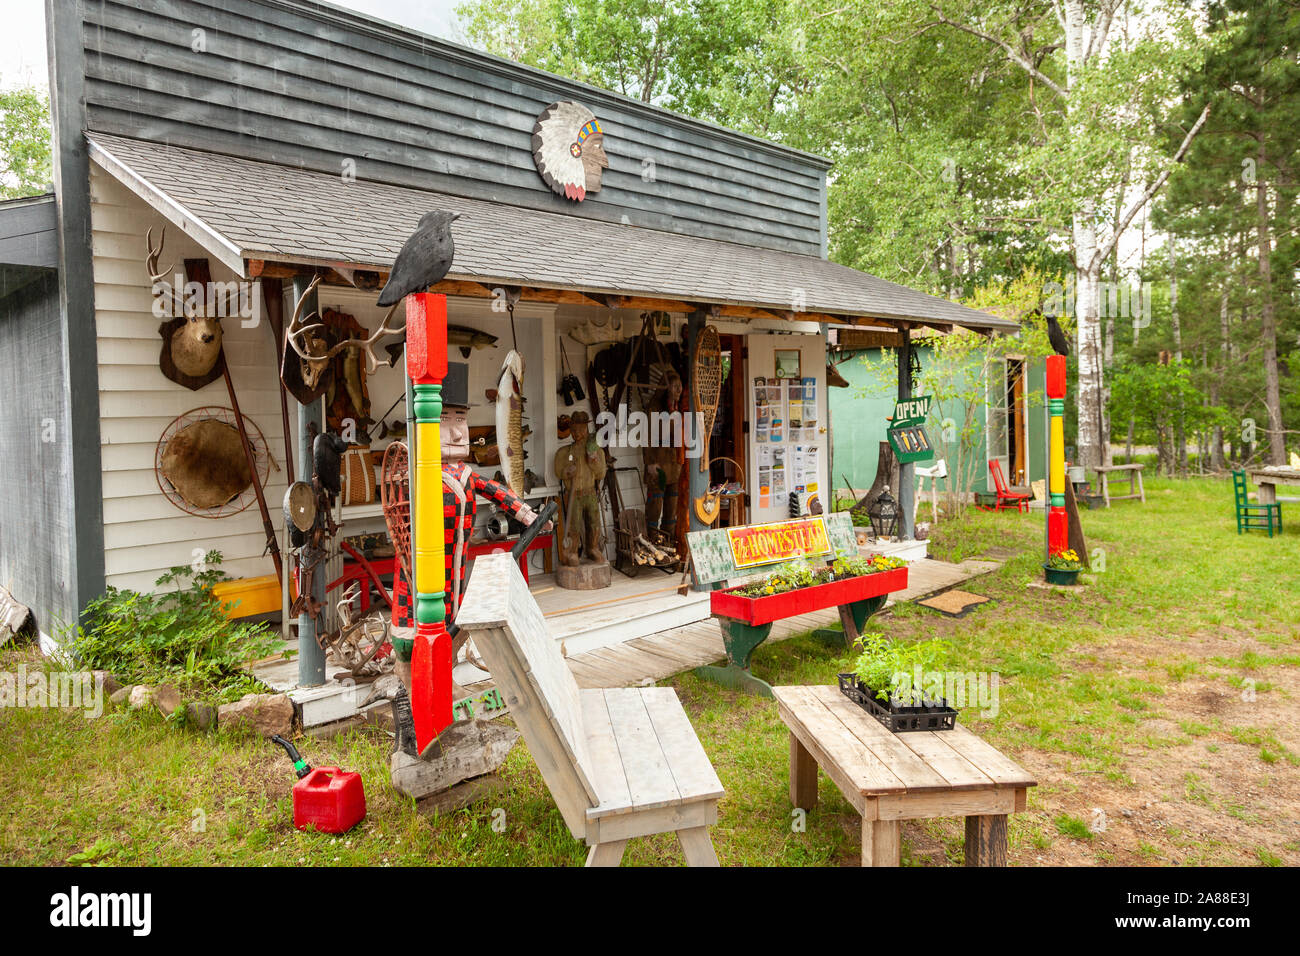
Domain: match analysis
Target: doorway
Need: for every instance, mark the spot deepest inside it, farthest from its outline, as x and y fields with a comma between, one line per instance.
x=727, y=440
x=1017, y=423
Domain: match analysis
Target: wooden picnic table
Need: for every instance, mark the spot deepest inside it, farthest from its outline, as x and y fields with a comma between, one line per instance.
x=891, y=777
x=1135, y=489
x=1269, y=477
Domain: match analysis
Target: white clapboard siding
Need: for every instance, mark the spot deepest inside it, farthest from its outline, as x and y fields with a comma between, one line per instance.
x=144, y=533
x=126, y=456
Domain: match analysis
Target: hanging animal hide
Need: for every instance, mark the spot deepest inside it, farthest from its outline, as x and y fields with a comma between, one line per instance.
x=346, y=395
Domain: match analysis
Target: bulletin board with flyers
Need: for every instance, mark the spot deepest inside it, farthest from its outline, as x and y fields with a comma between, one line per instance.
x=787, y=434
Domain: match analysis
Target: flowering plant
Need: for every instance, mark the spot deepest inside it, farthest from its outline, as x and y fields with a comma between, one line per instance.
x=1066, y=560
x=799, y=574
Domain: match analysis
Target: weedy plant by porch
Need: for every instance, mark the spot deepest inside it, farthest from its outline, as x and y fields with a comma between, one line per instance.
x=178, y=635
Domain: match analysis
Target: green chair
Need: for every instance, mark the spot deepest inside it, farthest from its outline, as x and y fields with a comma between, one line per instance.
x=1254, y=515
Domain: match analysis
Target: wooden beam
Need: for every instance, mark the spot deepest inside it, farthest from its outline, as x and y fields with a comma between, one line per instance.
x=458, y=287
x=748, y=312
x=564, y=296
x=853, y=339
x=938, y=326
x=648, y=304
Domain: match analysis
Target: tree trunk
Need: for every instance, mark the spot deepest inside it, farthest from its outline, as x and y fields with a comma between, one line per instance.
x=1268, y=322
x=1216, y=384
x=886, y=477
x=1180, y=434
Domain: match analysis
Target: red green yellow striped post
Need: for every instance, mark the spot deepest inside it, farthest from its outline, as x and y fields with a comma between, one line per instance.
x=431, y=663
x=1058, y=528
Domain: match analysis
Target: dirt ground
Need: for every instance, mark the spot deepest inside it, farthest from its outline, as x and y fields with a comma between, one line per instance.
x=1197, y=790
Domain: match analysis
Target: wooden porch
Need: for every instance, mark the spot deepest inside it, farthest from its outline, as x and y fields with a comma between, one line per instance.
x=638, y=631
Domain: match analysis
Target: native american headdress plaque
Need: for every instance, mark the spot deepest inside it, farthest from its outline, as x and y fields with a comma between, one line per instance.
x=569, y=149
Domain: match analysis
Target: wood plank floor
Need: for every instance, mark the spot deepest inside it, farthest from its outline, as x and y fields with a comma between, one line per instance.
x=658, y=656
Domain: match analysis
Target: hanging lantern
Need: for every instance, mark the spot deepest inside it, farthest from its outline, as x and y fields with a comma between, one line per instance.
x=884, y=515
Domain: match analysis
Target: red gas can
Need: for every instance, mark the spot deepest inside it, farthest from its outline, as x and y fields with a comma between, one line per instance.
x=329, y=799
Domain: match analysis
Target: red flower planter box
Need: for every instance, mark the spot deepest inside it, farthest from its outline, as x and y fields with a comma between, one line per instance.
x=774, y=607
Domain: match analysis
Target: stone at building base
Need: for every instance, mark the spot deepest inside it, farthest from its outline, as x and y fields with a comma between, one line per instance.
x=583, y=577
x=265, y=714
x=466, y=749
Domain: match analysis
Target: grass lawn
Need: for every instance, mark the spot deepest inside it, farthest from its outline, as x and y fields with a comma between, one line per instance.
x=1157, y=708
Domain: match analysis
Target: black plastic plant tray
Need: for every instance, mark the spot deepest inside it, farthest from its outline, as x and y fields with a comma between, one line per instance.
x=899, y=718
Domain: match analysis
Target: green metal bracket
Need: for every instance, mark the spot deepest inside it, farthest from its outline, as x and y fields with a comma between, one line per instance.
x=861, y=611
x=735, y=678
x=740, y=640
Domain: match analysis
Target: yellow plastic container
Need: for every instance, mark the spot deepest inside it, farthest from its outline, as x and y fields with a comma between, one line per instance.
x=251, y=595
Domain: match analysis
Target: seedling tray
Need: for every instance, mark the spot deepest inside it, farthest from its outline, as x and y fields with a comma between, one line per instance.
x=899, y=718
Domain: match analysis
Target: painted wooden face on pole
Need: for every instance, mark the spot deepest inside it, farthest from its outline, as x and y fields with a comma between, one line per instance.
x=431, y=658
x=1058, y=531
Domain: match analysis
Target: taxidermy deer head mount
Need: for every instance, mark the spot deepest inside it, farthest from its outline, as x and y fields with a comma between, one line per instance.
x=313, y=348
x=191, y=351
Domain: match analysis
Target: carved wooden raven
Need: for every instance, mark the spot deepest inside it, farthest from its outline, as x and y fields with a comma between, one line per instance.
x=1056, y=335
x=424, y=259
x=327, y=451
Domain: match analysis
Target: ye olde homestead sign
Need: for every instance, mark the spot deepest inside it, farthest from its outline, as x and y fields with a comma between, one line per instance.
x=780, y=541
x=569, y=149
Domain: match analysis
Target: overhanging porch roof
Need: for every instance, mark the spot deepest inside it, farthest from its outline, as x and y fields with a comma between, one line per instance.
x=246, y=212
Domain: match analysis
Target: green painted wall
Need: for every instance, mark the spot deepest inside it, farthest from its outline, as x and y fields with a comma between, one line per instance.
x=858, y=423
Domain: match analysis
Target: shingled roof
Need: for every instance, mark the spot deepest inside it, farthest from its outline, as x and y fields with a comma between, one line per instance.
x=243, y=210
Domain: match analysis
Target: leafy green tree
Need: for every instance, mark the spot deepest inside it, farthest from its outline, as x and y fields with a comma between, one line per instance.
x=1234, y=202
x=668, y=54
x=24, y=142
x=1160, y=396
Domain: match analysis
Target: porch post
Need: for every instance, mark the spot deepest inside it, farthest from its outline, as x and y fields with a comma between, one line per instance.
x=906, y=491
x=311, y=656
x=1058, y=534
x=431, y=657
x=697, y=481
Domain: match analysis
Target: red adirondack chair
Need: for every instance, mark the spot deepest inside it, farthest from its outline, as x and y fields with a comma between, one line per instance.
x=1006, y=498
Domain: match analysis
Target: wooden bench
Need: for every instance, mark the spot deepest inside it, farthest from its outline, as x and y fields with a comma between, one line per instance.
x=621, y=763
x=889, y=777
x=744, y=628
x=1135, y=489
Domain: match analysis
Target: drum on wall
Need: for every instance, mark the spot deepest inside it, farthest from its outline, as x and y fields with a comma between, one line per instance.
x=200, y=463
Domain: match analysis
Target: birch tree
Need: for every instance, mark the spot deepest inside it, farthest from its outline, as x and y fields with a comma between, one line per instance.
x=1105, y=69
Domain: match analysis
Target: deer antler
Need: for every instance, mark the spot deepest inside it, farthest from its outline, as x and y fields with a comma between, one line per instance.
x=368, y=345
x=157, y=275
x=151, y=260
x=294, y=330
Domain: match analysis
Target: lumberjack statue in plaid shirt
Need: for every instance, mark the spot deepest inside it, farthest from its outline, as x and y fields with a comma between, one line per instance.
x=461, y=489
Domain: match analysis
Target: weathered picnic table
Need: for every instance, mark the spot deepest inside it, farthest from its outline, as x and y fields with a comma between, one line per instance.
x=1269, y=477
x=724, y=554
x=889, y=777
x=1134, y=481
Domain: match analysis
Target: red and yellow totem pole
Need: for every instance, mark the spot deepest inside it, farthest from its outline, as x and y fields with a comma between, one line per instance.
x=431, y=656
x=1058, y=525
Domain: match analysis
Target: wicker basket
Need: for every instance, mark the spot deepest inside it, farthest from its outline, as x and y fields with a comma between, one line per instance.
x=358, y=476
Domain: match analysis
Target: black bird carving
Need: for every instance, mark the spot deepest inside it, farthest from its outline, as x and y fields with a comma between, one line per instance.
x=326, y=452
x=1056, y=335
x=424, y=259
